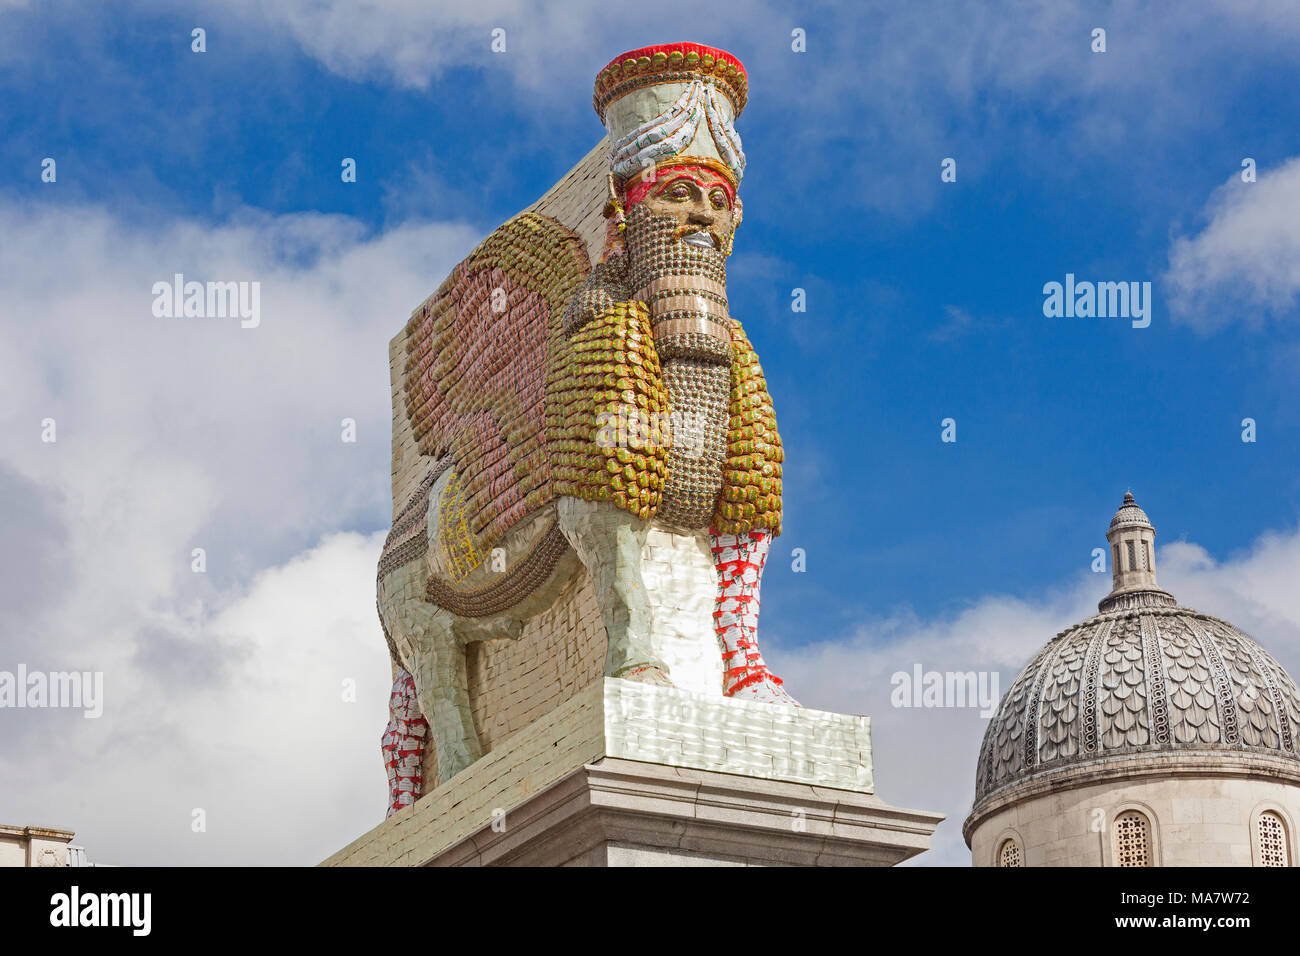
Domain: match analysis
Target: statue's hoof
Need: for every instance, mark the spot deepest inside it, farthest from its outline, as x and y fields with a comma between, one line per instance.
x=646, y=674
x=762, y=686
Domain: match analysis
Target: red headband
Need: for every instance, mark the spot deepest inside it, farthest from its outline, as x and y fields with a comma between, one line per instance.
x=698, y=173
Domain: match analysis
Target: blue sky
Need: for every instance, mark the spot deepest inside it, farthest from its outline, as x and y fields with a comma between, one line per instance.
x=924, y=298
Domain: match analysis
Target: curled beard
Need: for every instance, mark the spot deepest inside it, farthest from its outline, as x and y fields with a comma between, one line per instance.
x=684, y=286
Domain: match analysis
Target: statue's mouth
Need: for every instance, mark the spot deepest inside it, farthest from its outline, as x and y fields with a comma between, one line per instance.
x=703, y=239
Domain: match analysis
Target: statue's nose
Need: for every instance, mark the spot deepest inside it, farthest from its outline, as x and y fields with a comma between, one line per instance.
x=701, y=217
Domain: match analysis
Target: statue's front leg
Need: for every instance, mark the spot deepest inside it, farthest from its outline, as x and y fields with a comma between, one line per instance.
x=739, y=561
x=442, y=688
x=608, y=541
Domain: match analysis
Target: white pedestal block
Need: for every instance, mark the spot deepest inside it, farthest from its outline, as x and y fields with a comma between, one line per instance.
x=629, y=774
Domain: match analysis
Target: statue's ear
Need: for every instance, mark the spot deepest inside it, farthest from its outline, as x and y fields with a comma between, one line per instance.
x=737, y=214
x=616, y=198
x=615, y=246
x=615, y=221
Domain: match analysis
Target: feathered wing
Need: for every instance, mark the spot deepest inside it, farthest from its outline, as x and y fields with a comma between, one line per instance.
x=475, y=378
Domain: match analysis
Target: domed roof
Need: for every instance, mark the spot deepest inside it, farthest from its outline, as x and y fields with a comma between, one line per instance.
x=1144, y=675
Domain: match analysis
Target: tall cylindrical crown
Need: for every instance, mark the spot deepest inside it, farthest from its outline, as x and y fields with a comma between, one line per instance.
x=670, y=63
x=676, y=102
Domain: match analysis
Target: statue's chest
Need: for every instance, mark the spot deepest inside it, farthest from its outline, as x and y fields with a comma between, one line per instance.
x=699, y=397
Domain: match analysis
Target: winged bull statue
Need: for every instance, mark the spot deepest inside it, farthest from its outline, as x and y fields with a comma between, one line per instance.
x=561, y=410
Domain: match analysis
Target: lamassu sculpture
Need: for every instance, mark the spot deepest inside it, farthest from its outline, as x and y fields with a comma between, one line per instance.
x=561, y=411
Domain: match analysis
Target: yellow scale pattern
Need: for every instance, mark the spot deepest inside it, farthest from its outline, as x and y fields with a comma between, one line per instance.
x=751, y=474
x=606, y=374
x=607, y=371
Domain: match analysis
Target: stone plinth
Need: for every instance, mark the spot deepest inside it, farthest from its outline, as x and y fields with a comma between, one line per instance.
x=628, y=774
x=632, y=813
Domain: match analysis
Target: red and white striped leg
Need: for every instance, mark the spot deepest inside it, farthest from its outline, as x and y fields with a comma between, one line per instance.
x=739, y=561
x=403, y=744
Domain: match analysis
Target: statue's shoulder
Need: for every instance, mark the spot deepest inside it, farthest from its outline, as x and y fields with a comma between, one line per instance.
x=740, y=341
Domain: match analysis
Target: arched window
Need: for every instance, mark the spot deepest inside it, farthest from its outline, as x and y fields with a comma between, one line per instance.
x=1132, y=839
x=1270, y=841
x=1009, y=854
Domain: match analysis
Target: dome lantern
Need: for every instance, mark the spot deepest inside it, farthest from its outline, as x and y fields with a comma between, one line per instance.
x=1132, y=540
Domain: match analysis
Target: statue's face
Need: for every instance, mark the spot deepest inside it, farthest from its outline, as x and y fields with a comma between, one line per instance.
x=701, y=202
x=678, y=237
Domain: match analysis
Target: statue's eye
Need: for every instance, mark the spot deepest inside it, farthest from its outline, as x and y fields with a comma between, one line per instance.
x=680, y=192
x=719, y=199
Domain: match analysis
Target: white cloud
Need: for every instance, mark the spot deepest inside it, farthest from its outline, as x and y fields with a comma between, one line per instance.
x=906, y=87
x=411, y=43
x=284, y=769
x=1035, y=46
x=899, y=85
x=1246, y=261
x=229, y=435
x=222, y=688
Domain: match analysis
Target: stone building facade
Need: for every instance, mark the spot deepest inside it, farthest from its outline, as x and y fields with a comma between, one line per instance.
x=37, y=846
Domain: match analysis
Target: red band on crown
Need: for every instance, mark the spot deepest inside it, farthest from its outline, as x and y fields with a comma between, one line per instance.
x=667, y=50
x=703, y=176
x=645, y=67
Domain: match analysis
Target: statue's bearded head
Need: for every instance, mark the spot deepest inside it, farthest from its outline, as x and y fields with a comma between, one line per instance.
x=679, y=228
x=675, y=163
